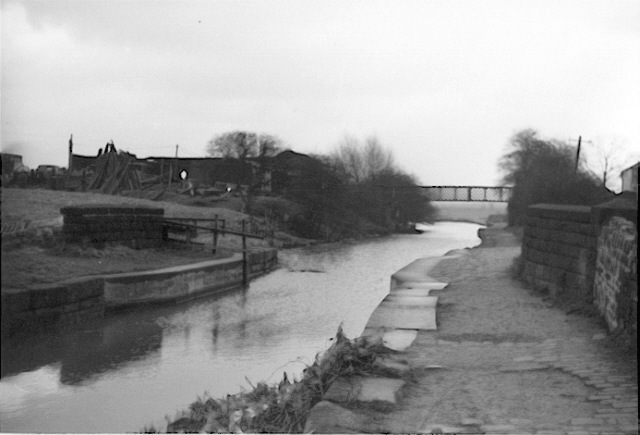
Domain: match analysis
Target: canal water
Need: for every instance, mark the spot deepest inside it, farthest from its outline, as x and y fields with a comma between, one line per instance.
x=133, y=369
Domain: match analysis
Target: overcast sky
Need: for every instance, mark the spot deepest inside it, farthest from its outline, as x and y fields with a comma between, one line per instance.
x=442, y=83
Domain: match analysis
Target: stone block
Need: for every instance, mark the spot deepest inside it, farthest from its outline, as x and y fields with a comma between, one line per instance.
x=585, y=421
x=364, y=389
x=399, y=339
x=437, y=428
x=417, y=302
x=327, y=417
x=15, y=301
x=499, y=428
x=393, y=364
x=422, y=285
x=471, y=422
x=403, y=318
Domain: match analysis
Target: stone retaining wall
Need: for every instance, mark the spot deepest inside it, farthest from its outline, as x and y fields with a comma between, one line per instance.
x=137, y=227
x=47, y=306
x=586, y=254
x=559, y=249
x=182, y=283
x=616, y=283
x=78, y=300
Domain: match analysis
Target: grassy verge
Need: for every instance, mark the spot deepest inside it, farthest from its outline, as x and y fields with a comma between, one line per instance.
x=33, y=251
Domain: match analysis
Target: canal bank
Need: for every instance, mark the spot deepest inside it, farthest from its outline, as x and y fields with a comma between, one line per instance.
x=369, y=370
x=76, y=301
x=132, y=368
x=501, y=358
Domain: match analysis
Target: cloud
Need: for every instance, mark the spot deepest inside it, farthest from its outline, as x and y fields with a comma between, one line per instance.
x=447, y=79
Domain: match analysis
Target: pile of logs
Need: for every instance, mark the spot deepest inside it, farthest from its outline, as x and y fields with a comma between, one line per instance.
x=114, y=172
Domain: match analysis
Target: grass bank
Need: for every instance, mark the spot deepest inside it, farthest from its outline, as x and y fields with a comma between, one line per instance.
x=33, y=251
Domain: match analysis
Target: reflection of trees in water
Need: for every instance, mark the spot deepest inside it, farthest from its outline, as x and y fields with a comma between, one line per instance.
x=316, y=258
x=216, y=326
x=100, y=348
x=108, y=349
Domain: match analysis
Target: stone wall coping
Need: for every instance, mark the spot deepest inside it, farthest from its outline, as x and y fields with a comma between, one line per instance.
x=575, y=213
x=155, y=273
x=621, y=206
x=564, y=207
x=84, y=209
x=620, y=203
x=175, y=270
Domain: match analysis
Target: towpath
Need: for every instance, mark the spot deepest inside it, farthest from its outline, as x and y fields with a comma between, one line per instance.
x=503, y=360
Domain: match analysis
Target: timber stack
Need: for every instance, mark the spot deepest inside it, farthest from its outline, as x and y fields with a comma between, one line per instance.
x=114, y=172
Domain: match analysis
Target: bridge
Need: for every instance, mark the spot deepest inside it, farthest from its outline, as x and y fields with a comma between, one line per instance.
x=467, y=193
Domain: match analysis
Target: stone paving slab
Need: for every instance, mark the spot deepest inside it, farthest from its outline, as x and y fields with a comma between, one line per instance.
x=414, y=292
x=420, y=285
x=327, y=417
x=428, y=302
x=363, y=389
x=395, y=364
x=402, y=318
x=399, y=339
x=435, y=428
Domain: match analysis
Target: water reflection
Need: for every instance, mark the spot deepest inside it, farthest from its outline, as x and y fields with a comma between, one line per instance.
x=129, y=370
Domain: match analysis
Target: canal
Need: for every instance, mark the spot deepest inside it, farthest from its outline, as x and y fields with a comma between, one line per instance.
x=131, y=369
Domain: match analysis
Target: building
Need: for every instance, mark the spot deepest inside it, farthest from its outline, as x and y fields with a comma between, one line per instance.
x=10, y=162
x=630, y=179
x=12, y=165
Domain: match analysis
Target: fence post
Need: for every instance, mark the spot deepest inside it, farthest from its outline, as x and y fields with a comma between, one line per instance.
x=244, y=254
x=215, y=236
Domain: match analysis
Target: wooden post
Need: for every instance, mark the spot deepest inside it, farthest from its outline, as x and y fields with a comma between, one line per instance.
x=578, y=154
x=244, y=255
x=215, y=236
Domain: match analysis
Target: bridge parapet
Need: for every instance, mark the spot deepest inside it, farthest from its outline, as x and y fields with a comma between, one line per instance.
x=467, y=193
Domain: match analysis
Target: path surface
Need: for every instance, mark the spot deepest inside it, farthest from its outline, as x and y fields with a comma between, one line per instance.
x=503, y=360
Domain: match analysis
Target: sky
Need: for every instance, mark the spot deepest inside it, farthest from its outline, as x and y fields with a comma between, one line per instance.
x=443, y=84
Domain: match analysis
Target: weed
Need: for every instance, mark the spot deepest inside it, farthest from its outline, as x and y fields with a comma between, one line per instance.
x=282, y=407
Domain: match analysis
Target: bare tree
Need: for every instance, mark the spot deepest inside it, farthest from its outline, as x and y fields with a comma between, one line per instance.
x=242, y=145
x=254, y=151
x=376, y=158
x=544, y=171
x=607, y=159
x=349, y=158
x=362, y=162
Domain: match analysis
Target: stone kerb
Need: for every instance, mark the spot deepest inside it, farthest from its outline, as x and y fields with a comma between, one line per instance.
x=408, y=308
x=137, y=227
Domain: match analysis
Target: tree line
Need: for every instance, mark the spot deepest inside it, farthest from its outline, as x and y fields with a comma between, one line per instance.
x=549, y=171
x=354, y=190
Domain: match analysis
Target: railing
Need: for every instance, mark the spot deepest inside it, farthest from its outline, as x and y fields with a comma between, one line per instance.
x=190, y=227
x=467, y=193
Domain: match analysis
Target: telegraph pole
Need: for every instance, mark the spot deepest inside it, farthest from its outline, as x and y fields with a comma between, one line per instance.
x=578, y=154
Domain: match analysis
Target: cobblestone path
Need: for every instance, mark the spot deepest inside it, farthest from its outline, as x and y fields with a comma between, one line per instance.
x=504, y=360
